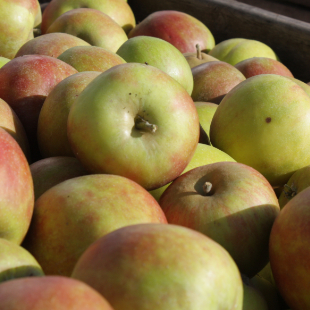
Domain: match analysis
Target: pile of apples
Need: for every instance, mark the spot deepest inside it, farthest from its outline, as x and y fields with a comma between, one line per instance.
x=148, y=166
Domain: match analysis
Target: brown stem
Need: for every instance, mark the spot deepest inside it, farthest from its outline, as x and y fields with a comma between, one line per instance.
x=207, y=186
x=199, y=56
x=143, y=125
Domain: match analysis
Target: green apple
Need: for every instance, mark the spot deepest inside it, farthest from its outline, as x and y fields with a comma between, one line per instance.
x=161, y=266
x=136, y=121
x=252, y=298
x=3, y=61
x=160, y=54
x=198, y=58
x=263, y=122
x=205, y=111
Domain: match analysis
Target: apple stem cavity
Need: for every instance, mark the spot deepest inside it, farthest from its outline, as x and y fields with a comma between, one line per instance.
x=143, y=125
x=207, y=186
x=199, y=56
x=289, y=191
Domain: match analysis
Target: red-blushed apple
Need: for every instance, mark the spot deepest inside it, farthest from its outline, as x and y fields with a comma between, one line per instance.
x=229, y=202
x=157, y=266
x=51, y=44
x=51, y=171
x=160, y=54
x=16, y=190
x=24, y=84
x=118, y=10
x=52, y=121
x=289, y=251
x=92, y=26
x=74, y=213
x=17, y=262
x=205, y=111
x=213, y=80
x=136, y=121
x=178, y=28
x=263, y=122
x=198, y=58
x=262, y=65
x=50, y=293
x=90, y=58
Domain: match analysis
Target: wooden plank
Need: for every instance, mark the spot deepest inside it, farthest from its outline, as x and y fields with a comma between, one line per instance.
x=288, y=37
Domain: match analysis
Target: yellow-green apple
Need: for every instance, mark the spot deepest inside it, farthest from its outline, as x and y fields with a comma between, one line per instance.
x=3, y=61
x=157, y=266
x=17, y=20
x=136, y=121
x=92, y=26
x=229, y=202
x=266, y=273
x=16, y=190
x=118, y=10
x=178, y=28
x=50, y=293
x=289, y=251
x=24, y=84
x=50, y=44
x=160, y=54
x=90, y=58
x=17, y=262
x=252, y=298
x=73, y=214
x=213, y=80
x=205, y=111
x=263, y=122
x=204, y=155
x=262, y=65
x=237, y=49
x=195, y=59
x=52, y=121
x=51, y=171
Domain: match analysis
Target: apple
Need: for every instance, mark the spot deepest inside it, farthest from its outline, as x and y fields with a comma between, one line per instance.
x=213, y=80
x=51, y=171
x=229, y=202
x=263, y=122
x=16, y=190
x=118, y=10
x=289, y=251
x=90, y=58
x=50, y=293
x=51, y=44
x=74, y=213
x=3, y=61
x=160, y=266
x=92, y=26
x=24, y=84
x=205, y=111
x=178, y=28
x=52, y=121
x=136, y=121
x=160, y=54
x=16, y=262
x=262, y=65
x=238, y=49
x=17, y=20
x=198, y=58
x=252, y=298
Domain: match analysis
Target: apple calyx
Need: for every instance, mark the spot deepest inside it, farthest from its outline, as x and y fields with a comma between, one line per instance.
x=143, y=125
x=199, y=56
x=290, y=191
x=207, y=186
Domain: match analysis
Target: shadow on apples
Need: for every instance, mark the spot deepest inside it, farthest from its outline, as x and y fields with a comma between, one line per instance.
x=20, y=272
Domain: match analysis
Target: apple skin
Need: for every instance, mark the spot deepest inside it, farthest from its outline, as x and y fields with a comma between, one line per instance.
x=180, y=29
x=17, y=20
x=238, y=49
x=50, y=293
x=160, y=266
x=289, y=251
x=52, y=121
x=206, y=111
x=92, y=26
x=103, y=124
x=51, y=44
x=253, y=299
x=3, y=61
x=17, y=262
x=24, y=84
x=213, y=80
x=51, y=171
x=118, y=10
x=160, y=54
x=262, y=65
x=238, y=212
x=263, y=122
x=16, y=190
x=74, y=213
x=90, y=58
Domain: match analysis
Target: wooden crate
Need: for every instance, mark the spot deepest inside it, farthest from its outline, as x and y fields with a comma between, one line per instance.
x=288, y=37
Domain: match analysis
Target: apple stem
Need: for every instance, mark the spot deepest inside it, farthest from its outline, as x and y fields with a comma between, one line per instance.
x=142, y=124
x=199, y=56
x=207, y=186
x=289, y=191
